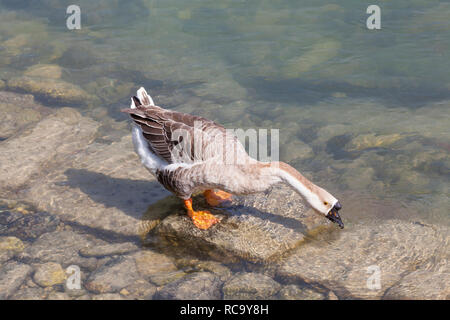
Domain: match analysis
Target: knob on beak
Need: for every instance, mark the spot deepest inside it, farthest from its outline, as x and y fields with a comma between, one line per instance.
x=334, y=216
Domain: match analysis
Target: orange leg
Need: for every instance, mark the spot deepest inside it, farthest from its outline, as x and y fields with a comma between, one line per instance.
x=216, y=198
x=201, y=219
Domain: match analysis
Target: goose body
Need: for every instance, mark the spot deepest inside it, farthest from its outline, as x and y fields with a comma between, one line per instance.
x=189, y=154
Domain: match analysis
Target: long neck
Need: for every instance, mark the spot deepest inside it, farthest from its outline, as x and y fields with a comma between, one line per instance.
x=294, y=179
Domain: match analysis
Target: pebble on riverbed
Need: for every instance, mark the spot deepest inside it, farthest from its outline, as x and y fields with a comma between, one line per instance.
x=61, y=247
x=141, y=289
x=149, y=263
x=49, y=274
x=161, y=279
x=12, y=275
x=10, y=247
x=113, y=276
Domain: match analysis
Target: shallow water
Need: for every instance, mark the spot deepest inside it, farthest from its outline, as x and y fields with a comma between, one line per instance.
x=364, y=114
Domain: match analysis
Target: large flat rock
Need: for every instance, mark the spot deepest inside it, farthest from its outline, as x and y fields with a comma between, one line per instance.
x=61, y=247
x=346, y=260
x=257, y=228
x=54, y=90
x=29, y=155
x=105, y=187
x=12, y=275
x=57, y=166
x=422, y=284
x=113, y=276
x=18, y=111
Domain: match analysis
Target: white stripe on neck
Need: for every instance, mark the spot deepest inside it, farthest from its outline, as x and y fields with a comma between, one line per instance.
x=298, y=186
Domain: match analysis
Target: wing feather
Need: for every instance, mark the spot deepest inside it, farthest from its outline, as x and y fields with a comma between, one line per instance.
x=159, y=126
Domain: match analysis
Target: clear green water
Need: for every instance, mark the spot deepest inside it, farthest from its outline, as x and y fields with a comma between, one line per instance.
x=363, y=113
x=310, y=68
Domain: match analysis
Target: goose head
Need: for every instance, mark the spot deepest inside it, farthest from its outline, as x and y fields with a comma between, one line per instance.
x=324, y=203
x=319, y=199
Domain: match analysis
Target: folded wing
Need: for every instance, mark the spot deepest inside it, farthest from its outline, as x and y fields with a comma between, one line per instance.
x=174, y=136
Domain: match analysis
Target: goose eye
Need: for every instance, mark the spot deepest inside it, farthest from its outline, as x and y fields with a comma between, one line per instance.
x=325, y=203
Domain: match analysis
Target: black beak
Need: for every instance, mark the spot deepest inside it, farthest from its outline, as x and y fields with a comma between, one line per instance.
x=334, y=216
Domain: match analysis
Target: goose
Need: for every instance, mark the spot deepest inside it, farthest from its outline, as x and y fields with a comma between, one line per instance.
x=189, y=154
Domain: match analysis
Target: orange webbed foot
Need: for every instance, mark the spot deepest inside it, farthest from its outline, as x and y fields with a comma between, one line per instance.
x=217, y=198
x=201, y=219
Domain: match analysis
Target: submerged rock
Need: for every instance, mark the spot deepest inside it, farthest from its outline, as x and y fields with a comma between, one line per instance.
x=113, y=276
x=345, y=263
x=161, y=279
x=366, y=141
x=27, y=226
x=108, y=249
x=12, y=275
x=58, y=296
x=11, y=244
x=250, y=286
x=49, y=71
x=7, y=217
x=258, y=228
x=141, y=289
x=49, y=274
x=214, y=267
x=10, y=247
x=296, y=149
x=17, y=111
x=27, y=40
x=196, y=286
x=29, y=294
x=108, y=296
x=51, y=89
x=47, y=144
x=150, y=263
x=111, y=90
x=422, y=284
x=295, y=292
x=61, y=247
x=79, y=57
x=103, y=187
x=318, y=54
x=91, y=184
x=75, y=293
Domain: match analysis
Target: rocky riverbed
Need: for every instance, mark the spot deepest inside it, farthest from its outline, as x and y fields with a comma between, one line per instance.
x=72, y=200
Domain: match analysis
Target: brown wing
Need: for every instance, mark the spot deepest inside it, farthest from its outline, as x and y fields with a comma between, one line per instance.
x=164, y=130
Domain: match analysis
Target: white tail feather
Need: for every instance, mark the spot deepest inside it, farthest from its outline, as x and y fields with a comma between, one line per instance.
x=132, y=105
x=144, y=97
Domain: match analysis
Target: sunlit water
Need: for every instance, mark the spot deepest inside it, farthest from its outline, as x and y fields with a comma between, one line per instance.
x=363, y=113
